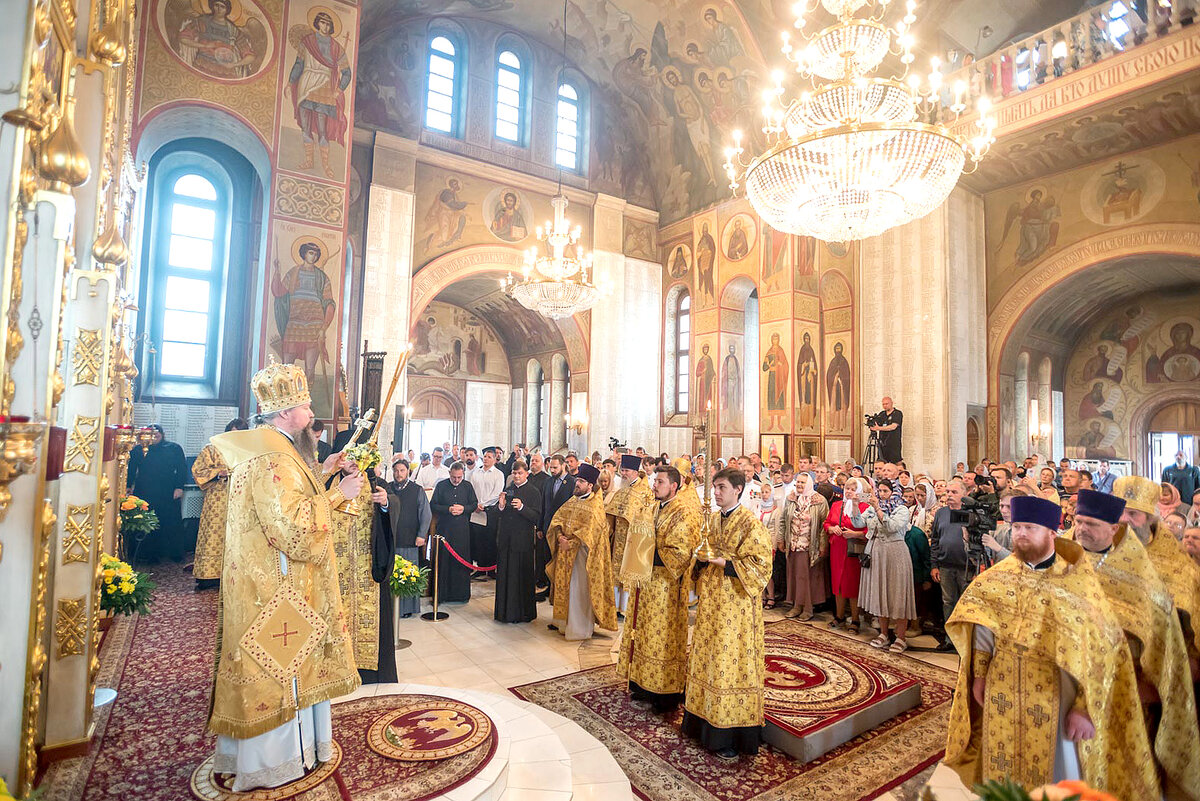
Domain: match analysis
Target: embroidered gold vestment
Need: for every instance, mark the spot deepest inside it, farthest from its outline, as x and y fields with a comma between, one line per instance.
x=277, y=627
x=623, y=509
x=210, y=539
x=360, y=593
x=1144, y=609
x=654, y=641
x=582, y=522
x=726, y=667
x=1182, y=577
x=1046, y=621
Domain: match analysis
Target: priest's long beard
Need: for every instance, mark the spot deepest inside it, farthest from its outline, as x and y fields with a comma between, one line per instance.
x=1143, y=531
x=306, y=443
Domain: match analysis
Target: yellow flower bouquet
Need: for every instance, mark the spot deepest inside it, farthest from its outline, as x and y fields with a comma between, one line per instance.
x=137, y=517
x=124, y=591
x=366, y=455
x=408, y=580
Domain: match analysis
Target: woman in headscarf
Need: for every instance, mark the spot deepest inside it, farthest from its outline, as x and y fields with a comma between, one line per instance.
x=768, y=512
x=1171, y=503
x=801, y=528
x=856, y=471
x=918, y=549
x=157, y=475
x=926, y=507
x=608, y=487
x=846, y=541
x=887, y=580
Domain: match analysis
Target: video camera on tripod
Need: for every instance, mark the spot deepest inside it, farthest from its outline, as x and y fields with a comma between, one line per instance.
x=614, y=443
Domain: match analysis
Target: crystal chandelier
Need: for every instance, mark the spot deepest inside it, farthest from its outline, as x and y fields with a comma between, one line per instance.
x=557, y=279
x=856, y=154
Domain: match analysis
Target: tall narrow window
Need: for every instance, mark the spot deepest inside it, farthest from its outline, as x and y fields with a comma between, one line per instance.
x=191, y=257
x=510, y=101
x=683, y=335
x=566, y=148
x=441, y=98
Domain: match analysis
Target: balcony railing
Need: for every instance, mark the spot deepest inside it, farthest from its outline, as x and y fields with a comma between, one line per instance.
x=1101, y=32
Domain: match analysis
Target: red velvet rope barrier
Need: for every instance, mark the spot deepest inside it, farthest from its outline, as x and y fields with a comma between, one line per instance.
x=464, y=562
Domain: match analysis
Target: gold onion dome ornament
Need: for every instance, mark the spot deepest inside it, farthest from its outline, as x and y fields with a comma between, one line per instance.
x=849, y=158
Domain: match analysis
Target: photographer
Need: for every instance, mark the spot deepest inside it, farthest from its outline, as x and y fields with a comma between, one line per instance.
x=888, y=424
x=948, y=543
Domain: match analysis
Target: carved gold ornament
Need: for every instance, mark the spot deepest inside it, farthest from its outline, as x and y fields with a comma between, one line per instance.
x=88, y=356
x=18, y=455
x=70, y=623
x=81, y=449
x=77, y=544
x=62, y=160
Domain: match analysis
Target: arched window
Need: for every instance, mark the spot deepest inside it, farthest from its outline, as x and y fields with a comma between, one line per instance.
x=566, y=142
x=192, y=238
x=510, y=97
x=195, y=266
x=443, y=87
x=683, y=336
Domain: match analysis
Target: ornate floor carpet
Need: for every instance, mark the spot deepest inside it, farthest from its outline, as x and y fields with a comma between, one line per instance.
x=151, y=740
x=662, y=765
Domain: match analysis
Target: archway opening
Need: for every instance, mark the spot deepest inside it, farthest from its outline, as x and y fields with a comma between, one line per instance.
x=1175, y=428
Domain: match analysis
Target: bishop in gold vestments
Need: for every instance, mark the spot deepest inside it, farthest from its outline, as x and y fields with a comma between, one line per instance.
x=580, y=566
x=654, y=641
x=1144, y=609
x=212, y=476
x=1044, y=643
x=726, y=670
x=284, y=650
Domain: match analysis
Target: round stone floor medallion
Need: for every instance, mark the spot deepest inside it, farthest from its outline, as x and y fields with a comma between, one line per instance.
x=429, y=729
x=207, y=786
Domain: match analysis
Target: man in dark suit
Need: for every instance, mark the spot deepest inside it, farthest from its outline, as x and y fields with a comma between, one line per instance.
x=520, y=511
x=323, y=448
x=557, y=490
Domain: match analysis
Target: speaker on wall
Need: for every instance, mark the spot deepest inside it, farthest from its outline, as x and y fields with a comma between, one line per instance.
x=398, y=428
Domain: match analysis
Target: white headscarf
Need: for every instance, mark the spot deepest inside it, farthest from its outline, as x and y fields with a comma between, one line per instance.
x=923, y=512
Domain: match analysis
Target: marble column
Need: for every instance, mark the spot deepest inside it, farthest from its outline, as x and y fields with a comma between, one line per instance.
x=921, y=324
x=387, y=270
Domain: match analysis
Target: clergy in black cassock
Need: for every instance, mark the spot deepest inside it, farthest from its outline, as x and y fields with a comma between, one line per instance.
x=157, y=475
x=452, y=502
x=520, y=512
x=408, y=510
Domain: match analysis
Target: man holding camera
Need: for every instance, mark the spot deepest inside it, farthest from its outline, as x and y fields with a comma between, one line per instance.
x=888, y=424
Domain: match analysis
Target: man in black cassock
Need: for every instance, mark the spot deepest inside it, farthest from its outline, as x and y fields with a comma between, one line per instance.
x=452, y=502
x=520, y=513
x=408, y=512
x=157, y=475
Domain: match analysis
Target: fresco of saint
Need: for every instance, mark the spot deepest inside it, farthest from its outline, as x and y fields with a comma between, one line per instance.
x=317, y=85
x=304, y=306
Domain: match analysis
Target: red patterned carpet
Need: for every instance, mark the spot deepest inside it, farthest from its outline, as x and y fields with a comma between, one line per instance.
x=663, y=766
x=152, y=738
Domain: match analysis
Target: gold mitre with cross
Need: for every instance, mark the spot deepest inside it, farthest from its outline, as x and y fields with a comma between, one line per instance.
x=1140, y=494
x=278, y=387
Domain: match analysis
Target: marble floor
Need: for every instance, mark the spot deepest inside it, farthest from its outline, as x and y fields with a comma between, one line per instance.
x=471, y=651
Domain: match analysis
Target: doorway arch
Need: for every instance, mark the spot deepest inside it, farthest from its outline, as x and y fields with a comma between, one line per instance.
x=1152, y=411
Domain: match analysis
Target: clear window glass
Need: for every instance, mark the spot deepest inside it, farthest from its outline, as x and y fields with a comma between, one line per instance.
x=566, y=149
x=442, y=85
x=510, y=80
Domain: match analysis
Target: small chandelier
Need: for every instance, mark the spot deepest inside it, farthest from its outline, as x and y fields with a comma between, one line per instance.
x=857, y=155
x=557, y=279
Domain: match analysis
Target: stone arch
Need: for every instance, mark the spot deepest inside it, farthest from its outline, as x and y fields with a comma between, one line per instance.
x=1175, y=239
x=435, y=397
x=1139, y=421
x=496, y=260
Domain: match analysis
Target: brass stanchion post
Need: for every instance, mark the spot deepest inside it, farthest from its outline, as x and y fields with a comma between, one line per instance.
x=435, y=615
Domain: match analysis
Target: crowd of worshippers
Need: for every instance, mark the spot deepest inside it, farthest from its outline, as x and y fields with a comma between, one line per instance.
x=1068, y=570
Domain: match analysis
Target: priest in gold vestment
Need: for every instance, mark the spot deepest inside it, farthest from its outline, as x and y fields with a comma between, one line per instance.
x=283, y=647
x=654, y=642
x=364, y=549
x=723, y=707
x=580, y=568
x=633, y=499
x=1176, y=568
x=1046, y=684
x=212, y=476
x=1144, y=609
